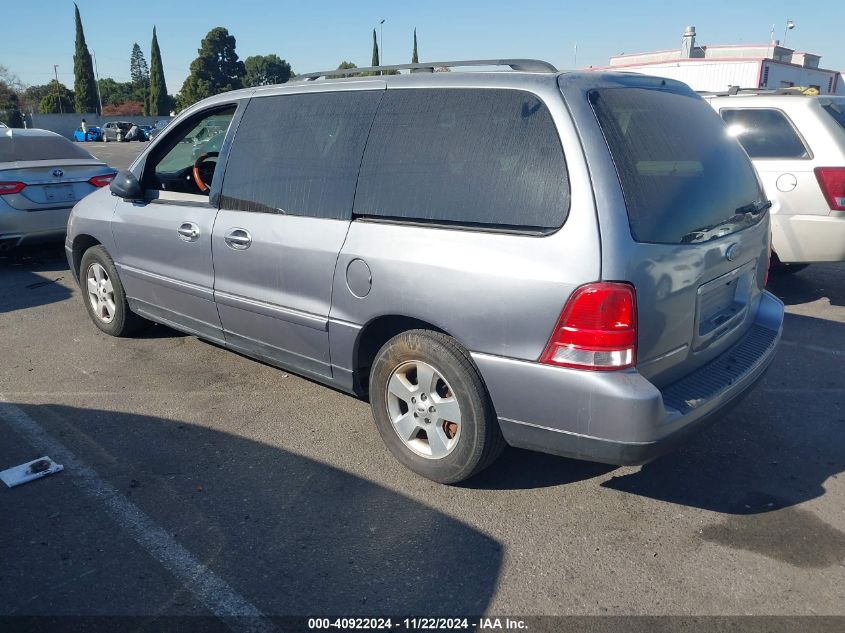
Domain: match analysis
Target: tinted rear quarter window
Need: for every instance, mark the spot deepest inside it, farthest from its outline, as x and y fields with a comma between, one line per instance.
x=682, y=175
x=299, y=154
x=464, y=156
x=20, y=148
x=765, y=133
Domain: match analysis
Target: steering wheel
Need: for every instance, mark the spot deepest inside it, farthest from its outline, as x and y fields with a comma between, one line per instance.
x=203, y=170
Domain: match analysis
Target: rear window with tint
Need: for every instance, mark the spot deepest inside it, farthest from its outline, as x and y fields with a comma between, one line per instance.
x=464, y=156
x=765, y=133
x=20, y=148
x=836, y=109
x=683, y=177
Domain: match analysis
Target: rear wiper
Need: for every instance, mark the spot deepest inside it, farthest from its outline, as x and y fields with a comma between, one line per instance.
x=754, y=208
x=746, y=213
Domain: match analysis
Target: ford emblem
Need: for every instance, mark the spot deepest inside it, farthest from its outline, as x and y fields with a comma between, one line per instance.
x=58, y=173
x=732, y=252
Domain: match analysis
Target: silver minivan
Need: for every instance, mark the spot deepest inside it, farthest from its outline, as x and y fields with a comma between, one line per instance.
x=572, y=263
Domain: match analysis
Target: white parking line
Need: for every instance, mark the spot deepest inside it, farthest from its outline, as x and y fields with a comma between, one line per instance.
x=814, y=348
x=213, y=592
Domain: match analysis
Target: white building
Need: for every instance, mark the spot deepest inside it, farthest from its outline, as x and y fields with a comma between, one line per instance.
x=716, y=68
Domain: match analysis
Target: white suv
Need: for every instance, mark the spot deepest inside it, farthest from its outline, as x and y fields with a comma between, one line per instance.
x=797, y=144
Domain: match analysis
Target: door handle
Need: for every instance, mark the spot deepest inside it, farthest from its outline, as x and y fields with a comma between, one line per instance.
x=188, y=232
x=239, y=239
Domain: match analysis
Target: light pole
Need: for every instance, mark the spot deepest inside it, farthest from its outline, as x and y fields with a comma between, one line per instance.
x=58, y=94
x=381, y=43
x=789, y=26
x=97, y=79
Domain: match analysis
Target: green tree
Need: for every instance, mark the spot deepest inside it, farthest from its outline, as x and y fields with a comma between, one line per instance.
x=53, y=104
x=115, y=93
x=264, y=70
x=139, y=72
x=216, y=69
x=375, y=61
x=344, y=65
x=415, y=59
x=84, y=86
x=10, y=89
x=159, y=103
x=32, y=96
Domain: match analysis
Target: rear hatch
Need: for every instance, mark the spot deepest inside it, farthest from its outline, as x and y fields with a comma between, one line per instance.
x=696, y=242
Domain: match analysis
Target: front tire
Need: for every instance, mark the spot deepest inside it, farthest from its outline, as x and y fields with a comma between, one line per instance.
x=104, y=296
x=432, y=408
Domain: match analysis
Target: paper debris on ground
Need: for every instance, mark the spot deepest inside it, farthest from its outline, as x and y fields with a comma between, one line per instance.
x=30, y=471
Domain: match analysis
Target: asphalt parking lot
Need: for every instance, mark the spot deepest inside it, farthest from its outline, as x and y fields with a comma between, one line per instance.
x=196, y=477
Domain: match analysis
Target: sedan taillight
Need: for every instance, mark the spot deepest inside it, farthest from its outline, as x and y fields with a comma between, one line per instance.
x=102, y=181
x=11, y=187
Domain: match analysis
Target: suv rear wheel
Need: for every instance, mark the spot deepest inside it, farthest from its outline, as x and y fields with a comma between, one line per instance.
x=431, y=407
x=105, y=299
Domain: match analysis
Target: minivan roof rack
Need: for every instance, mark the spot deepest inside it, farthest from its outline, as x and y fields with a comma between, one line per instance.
x=526, y=65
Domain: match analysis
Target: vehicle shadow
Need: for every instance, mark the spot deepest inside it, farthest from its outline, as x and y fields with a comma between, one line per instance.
x=20, y=285
x=776, y=449
x=519, y=469
x=292, y=535
x=815, y=282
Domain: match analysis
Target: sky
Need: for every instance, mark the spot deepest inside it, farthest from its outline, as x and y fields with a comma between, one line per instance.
x=318, y=35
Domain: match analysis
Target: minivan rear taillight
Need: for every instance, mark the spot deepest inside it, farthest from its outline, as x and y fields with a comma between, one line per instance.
x=832, y=182
x=597, y=329
x=102, y=181
x=11, y=187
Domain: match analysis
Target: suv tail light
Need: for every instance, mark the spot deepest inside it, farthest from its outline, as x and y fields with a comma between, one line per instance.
x=832, y=182
x=11, y=187
x=102, y=181
x=597, y=329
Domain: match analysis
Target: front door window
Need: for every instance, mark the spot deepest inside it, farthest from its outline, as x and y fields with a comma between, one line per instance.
x=187, y=159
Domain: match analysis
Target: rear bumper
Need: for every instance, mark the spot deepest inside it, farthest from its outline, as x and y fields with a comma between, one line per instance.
x=809, y=238
x=18, y=227
x=620, y=417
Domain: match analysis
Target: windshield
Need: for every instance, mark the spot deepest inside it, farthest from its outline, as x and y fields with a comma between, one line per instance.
x=20, y=148
x=683, y=177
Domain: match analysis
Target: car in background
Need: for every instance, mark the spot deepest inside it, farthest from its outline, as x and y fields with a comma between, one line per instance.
x=158, y=127
x=146, y=130
x=116, y=131
x=42, y=175
x=90, y=134
x=797, y=144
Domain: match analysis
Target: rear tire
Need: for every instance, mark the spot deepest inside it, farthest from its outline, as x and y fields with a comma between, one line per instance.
x=105, y=299
x=431, y=407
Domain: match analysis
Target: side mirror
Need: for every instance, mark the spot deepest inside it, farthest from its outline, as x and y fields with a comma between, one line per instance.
x=126, y=186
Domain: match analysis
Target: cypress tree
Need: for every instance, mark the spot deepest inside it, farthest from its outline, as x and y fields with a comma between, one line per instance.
x=375, y=49
x=158, y=105
x=83, y=72
x=139, y=72
x=414, y=57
